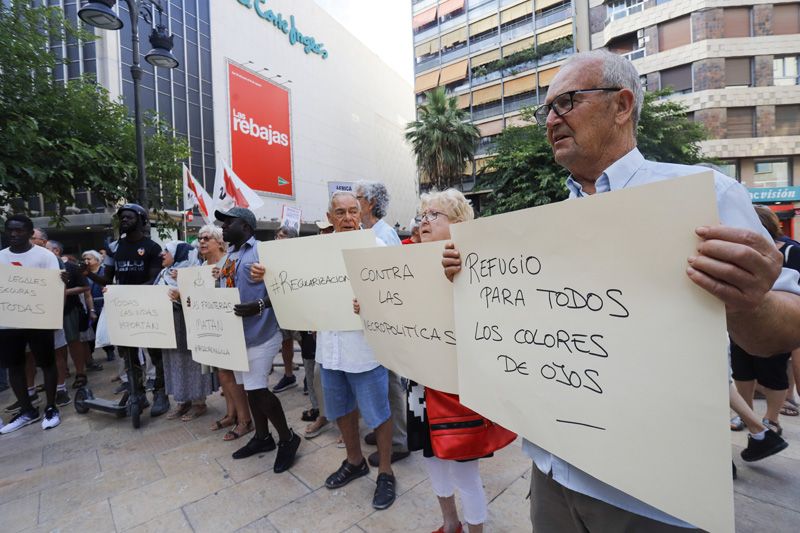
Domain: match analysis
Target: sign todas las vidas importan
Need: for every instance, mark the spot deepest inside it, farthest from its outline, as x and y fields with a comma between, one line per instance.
x=288, y=27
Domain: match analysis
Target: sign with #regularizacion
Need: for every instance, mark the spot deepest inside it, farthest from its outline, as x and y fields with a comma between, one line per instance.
x=570, y=317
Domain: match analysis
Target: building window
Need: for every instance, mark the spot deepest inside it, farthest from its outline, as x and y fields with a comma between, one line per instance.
x=738, y=72
x=784, y=70
x=741, y=122
x=617, y=9
x=678, y=78
x=674, y=33
x=736, y=22
x=787, y=119
x=730, y=168
x=786, y=19
x=771, y=173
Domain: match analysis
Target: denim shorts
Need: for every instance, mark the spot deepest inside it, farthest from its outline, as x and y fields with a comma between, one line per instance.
x=369, y=391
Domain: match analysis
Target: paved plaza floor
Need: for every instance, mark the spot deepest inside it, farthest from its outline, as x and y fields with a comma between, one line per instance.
x=96, y=473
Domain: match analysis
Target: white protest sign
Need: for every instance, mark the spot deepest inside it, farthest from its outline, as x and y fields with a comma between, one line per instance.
x=307, y=280
x=217, y=334
x=290, y=217
x=140, y=316
x=335, y=186
x=31, y=298
x=407, y=311
x=189, y=279
x=572, y=317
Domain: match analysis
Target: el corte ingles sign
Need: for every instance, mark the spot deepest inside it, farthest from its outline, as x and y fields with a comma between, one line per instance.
x=288, y=27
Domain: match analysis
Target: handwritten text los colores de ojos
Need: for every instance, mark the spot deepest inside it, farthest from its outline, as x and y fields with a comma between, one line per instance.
x=590, y=345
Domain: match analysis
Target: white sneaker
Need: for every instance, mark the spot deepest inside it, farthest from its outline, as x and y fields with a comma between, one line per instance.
x=51, y=419
x=1, y=423
x=21, y=420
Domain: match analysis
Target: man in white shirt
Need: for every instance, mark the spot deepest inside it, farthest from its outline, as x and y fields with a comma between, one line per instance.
x=21, y=252
x=373, y=198
x=354, y=382
x=591, y=114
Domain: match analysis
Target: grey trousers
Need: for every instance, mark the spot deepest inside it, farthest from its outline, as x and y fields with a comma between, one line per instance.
x=317, y=388
x=311, y=384
x=557, y=509
x=398, y=404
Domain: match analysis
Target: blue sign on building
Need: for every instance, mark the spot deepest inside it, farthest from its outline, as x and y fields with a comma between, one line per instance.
x=769, y=195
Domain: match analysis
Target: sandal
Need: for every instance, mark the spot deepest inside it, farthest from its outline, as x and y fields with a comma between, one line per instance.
x=737, y=424
x=179, y=411
x=80, y=381
x=790, y=408
x=195, y=412
x=224, y=422
x=309, y=415
x=319, y=425
x=233, y=434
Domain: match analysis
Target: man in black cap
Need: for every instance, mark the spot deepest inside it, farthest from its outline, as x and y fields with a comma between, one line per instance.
x=262, y=337
x=135, y=259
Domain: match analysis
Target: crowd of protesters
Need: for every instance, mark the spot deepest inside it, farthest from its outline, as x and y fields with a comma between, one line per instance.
x=591, y=113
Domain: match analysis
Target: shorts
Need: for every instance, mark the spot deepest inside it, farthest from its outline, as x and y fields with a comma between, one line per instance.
x=369, y=391
x=290, y=334
x=769, y=372
x=260, y=358
x=14, y=341
x=59, y=338
x=72, y=329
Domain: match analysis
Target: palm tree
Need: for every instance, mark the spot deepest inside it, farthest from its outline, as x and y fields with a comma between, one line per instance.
x=441, y=140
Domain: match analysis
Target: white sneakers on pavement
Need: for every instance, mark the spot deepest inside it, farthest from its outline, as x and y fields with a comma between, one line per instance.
x=52, y=418
x=20, y=420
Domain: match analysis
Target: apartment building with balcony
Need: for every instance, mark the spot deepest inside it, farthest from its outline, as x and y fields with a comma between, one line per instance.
x=734, y=65
x=496, y=56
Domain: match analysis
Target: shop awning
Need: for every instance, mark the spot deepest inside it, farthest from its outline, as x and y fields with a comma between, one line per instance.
x=451, y=73
x=483, y=25
x=555, y=33
x=488, y=57
x=546, y=76
x=489, y=94
x=423, y=18
x=517, y=11
x=491, y=128
x=426, y=82
x=448, y=6
x=520, y=85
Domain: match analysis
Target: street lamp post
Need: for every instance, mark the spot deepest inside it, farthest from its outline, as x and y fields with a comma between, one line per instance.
x=99, y=13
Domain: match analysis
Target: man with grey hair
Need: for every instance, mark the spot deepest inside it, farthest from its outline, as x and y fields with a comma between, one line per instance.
x=374, y=200
x=591, y=113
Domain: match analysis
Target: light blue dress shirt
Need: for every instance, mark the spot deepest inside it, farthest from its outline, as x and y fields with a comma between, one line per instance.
x=735, y=209
x=386, y=233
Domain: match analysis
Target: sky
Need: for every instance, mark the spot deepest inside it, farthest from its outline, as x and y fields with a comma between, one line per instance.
x=387, y=33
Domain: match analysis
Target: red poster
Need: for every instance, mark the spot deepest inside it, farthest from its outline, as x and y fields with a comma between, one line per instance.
x=261, y=140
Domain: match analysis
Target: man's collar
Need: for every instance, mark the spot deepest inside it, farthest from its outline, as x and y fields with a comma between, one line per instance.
x=615, y=177
x=249, y=242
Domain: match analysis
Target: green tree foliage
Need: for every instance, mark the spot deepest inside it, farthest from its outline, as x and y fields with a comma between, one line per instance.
x=58, y=138
x=442, y=142
x=524, y=174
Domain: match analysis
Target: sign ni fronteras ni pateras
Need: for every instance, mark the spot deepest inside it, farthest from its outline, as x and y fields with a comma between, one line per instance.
x=288, y=27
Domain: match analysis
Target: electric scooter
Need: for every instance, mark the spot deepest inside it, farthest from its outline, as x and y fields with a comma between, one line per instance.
x=132, y=402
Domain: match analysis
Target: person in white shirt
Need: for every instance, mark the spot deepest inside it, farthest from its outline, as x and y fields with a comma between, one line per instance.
x=353, y=381
x=591, y=113
x=21, y=252
x=373, y=198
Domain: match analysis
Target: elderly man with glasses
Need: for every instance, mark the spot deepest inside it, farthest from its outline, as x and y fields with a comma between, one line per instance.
x=591, y=113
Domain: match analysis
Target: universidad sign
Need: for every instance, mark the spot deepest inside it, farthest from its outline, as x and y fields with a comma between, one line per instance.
x=288, y=27
x=260, y=132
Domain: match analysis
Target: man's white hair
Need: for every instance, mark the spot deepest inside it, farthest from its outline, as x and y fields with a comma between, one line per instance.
x=337, y=194
x=617, y=72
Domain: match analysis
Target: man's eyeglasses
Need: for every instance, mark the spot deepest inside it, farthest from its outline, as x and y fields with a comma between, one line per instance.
x=430, y=216
x=563, y=103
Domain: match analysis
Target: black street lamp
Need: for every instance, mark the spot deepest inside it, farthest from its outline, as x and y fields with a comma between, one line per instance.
x=100, y=14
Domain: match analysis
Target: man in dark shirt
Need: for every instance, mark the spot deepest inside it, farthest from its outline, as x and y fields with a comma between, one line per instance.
x=135, y=260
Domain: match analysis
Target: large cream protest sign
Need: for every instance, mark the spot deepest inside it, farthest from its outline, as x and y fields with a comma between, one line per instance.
x=189, y=279
x=31, y=298
x=577, y=324
x=407, y=311
x=217, y=333
x=307, y=280
x=140, y=316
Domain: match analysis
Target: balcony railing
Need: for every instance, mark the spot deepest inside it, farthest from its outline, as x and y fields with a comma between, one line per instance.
x=554, y=15
x=489, y=111
x=635, y=54
x=619, y=13
x=427, y=64
x=515, y=104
